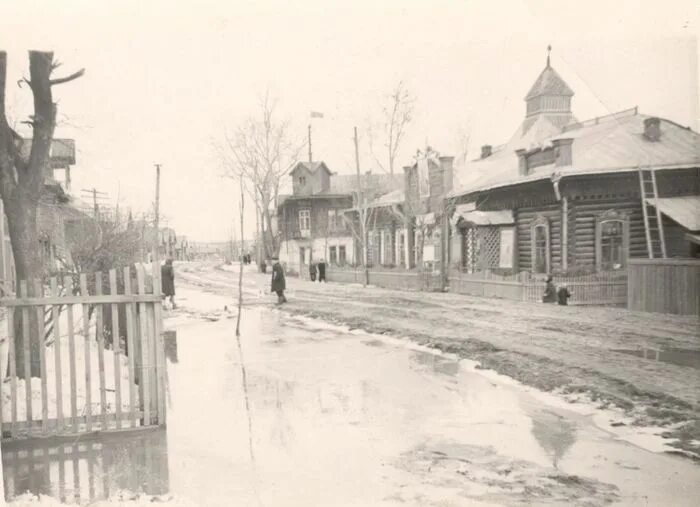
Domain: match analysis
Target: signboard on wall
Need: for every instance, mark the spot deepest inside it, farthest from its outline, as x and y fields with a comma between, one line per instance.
x=507, y=243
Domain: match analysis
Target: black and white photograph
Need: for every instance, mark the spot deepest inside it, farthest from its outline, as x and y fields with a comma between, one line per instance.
x=367, y=253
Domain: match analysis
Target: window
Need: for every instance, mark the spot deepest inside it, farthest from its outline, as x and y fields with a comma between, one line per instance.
x=304, y=220
x=341, y=255
x=333, y=220
x=388, y=248
x=370, y=248
x=539, y=231
x=402, y=249
x=611, y=241
x=302, y=180
x=333, y=255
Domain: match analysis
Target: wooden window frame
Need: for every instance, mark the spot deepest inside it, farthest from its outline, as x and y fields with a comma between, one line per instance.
x=540, y=221
x=612, y=216
x=308, y=212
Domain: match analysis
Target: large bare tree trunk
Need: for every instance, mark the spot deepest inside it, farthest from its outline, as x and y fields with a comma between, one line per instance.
x=22, y=181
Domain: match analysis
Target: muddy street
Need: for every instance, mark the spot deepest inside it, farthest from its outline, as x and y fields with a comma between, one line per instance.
x=310, y=413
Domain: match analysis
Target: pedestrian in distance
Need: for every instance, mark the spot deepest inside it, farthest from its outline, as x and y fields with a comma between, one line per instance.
x=312, y=271
x=322, y=271
x=167, y=276
x=563, y=295
x=550, y=291
x=278, y=281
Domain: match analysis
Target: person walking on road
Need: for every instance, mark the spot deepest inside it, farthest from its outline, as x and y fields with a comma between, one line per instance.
x=563, y=295
x=312, y=271
x=322, y=271
x=278, y=281
x=167, y=276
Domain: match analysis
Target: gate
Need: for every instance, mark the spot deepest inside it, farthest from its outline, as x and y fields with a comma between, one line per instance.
x=94, y=348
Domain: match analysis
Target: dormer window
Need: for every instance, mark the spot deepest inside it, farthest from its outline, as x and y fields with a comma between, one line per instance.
x=302, y=180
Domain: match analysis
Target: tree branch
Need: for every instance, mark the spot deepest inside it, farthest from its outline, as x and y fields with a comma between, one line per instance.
x=66, y=79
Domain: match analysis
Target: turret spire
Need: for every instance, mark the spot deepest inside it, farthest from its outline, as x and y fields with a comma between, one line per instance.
x=549, y=50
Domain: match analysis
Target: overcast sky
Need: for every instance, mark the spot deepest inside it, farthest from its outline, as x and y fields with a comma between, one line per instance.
x=164, y=78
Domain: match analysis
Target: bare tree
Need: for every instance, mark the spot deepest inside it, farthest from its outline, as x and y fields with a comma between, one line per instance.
x=397, y=114
x=259, y=152
x=22, y=176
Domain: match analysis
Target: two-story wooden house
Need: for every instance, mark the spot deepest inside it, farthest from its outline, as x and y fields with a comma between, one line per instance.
x=313, y=222
x=563, y=196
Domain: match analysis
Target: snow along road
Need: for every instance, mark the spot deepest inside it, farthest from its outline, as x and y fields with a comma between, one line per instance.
x=341, y=417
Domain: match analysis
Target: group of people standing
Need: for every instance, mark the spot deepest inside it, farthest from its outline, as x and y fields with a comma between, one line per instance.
x=317, y=268
x=556, y=294
x=246, y=259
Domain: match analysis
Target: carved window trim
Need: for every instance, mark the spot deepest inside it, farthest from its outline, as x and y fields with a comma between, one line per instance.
x=612, y=216
x=540, y=222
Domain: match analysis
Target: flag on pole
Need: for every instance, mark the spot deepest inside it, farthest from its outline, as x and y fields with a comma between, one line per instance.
x=315, y=114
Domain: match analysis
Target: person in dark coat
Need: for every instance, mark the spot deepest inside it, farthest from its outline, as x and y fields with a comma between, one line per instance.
x=167, y=276
x=321, y=271
x=312, y=271
x=563, y=295
x=278, y=281
x=550, y=292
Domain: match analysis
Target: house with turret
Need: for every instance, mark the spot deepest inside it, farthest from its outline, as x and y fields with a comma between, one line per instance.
x=564, y=196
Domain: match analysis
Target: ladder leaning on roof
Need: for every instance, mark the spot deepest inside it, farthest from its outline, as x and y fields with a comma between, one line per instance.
x=653, y=225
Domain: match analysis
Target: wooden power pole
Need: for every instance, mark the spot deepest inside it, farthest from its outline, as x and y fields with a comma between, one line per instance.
x=361, y=211
x=156, y=240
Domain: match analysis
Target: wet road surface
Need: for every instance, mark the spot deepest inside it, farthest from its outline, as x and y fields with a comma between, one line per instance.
x=346, y=418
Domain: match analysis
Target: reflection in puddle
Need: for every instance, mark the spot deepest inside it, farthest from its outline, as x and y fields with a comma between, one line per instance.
x=436, y=363
x=170, y=345
x=680, y=357
x=90, y=469
x=554, y=434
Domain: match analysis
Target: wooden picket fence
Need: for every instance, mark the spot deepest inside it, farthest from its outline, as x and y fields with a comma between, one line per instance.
x=78, y=396
x=605, y=288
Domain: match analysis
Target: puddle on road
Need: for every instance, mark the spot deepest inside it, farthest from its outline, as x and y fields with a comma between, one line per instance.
x=679, y=357
x=347, y=419
x=87, y=470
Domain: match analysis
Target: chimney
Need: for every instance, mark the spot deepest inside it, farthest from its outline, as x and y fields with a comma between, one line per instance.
x=522, y=162
x=652, y=129
x=486, y=151
x=562, y=148
x=447, y=173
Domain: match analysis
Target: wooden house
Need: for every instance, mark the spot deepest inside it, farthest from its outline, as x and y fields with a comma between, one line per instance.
x=569, y=197
x=313, y=221
x=405, y=226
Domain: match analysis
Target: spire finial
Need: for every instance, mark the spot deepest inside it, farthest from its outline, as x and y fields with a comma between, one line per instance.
x=549, y=50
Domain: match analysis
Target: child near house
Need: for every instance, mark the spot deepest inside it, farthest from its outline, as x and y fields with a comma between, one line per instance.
x=563, y=295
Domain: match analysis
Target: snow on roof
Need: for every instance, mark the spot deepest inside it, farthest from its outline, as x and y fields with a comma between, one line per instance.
x=684, y=210
x=614, y=143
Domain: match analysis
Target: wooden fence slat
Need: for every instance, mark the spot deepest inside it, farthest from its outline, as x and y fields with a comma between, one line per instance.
x=159, y=345
x=88, y=360
x=40, y=312
x=26, y=345
x=55, y=316
x=13, y=368
x=144, y=339
x=68, y=285
x=101, y=351
x=130, y=333
x=116, y=348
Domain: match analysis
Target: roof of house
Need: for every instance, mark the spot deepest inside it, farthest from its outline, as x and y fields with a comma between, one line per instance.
x=62, y=151
x=684, y=210
x=311, y=166
x=549, y=83
x=614, y=143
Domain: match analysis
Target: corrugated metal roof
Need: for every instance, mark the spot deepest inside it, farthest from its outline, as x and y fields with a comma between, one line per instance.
x=684, y=210
x=610, y=144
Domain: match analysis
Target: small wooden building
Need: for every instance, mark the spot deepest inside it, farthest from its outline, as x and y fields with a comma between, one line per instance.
x=569, y=197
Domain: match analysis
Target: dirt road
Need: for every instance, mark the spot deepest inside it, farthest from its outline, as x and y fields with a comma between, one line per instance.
x=577, y=351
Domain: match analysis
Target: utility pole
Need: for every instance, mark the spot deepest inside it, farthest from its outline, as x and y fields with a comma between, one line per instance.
x=361, y=211
x=310, y=157
x=157, y=217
